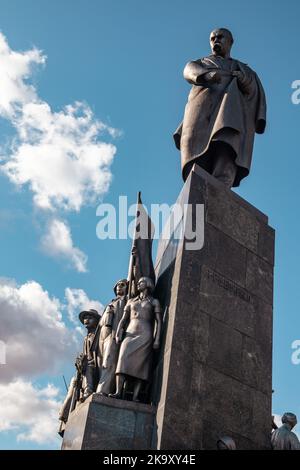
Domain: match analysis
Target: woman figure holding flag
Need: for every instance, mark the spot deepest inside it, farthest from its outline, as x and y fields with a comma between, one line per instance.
x=142, y=314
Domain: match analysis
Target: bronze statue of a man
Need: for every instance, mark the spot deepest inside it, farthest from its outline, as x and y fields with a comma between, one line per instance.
x=87, y=366
x=283, y=438
x=91, y=358
x=108, y=347
x=139, y=334
x=225, y=108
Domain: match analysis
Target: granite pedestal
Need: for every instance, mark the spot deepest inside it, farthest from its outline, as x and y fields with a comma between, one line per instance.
x=103, y=423
x=214, y=372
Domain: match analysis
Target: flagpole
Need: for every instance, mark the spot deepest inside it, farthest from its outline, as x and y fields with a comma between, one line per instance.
x=130, y=276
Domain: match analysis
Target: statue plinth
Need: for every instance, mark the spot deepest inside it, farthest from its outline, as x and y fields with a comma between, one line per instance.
x=102, y=423
x=214, y=375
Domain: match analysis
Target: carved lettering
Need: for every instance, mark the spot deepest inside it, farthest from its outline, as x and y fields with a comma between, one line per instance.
x=226, y=284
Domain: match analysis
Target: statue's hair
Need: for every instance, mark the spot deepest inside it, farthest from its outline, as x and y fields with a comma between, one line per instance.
x=228, y=442
x=290, y=418
x=149, y=283
x=225, y=30
x=123, y=281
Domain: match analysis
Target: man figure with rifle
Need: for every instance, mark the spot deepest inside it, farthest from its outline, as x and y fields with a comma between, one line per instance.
x=87, y=368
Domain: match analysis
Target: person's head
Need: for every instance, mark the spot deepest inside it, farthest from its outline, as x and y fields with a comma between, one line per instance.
x=120, y=288
x=290, y=419
x=145, y=283
x=89, y=318
x=226, y=443
x=221, y=41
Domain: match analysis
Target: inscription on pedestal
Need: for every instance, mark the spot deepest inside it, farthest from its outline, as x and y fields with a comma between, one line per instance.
x=228, y=285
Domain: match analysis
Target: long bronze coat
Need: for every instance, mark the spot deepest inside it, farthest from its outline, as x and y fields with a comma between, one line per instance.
x=221, y=112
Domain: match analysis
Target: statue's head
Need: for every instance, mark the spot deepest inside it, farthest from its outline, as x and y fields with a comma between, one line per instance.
x=120, y=288
x=226, y=443
x=221, y=41
x=289, y=418
x=89, y=318
x=145, y=283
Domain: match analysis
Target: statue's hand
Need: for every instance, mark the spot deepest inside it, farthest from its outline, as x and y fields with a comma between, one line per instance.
x=213, y=77
x=156, y=345
x=242, y=80
x=118, y=339
x=134, y=250
x=239, y=75
x=79, y=361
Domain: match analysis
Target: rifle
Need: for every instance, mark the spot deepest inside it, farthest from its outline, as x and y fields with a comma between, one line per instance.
x=78, y=382
x=65, y=383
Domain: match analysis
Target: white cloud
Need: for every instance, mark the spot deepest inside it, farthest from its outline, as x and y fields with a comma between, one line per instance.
x=16, y=68
x=32, y=327
x=57, y=242
x=37, y=342
x=59, y=155
x=277, y=420
x=29, y=411
x=77, y=300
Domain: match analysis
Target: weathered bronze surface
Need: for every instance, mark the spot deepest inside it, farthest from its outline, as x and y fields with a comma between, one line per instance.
x=226, y=443
x=142, y=314
x=87, y=369
x=283, y=438
x=108, y=347
x=225, y=108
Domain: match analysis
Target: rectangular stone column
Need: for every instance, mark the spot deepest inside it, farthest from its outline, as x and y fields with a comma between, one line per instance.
x=214, y=374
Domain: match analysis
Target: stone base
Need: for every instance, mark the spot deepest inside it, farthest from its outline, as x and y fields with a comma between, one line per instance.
x=103, y=423
x=214, y=373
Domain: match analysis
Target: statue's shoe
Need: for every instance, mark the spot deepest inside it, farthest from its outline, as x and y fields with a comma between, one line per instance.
x=115, y=395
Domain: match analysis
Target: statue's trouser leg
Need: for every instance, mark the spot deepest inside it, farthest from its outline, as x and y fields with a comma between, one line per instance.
x=137, y=388
x=107, y=382
x=89, y=379
x=120, y=379
x=224, y=165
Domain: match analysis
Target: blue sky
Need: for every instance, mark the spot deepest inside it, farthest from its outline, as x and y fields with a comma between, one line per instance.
x=123, y=59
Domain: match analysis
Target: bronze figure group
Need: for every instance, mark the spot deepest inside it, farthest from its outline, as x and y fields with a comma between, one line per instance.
x=118, y=348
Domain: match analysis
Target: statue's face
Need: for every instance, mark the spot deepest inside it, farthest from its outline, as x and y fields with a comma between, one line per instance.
x=90, y=322
x=121, y=288
x=220, y=43
x=142, y=285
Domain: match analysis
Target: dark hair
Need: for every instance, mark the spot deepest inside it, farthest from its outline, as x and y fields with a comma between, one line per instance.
x=290, y=418
x=123, y=281
x=149, y=283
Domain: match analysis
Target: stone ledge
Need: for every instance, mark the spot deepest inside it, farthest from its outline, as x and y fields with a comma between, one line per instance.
x=123, y=404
